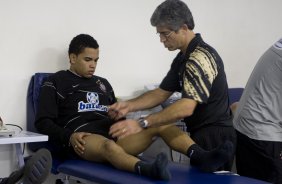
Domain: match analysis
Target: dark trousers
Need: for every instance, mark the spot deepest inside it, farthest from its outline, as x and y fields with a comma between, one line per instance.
x=259, y=159
x=210, y=137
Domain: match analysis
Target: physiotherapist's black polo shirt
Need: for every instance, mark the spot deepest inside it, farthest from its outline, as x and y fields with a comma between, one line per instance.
x=199, y=75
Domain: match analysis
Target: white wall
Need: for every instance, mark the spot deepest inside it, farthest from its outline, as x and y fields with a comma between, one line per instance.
x=34, y=37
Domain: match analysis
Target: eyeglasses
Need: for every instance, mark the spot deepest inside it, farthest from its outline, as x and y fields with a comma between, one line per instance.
x=165, y=35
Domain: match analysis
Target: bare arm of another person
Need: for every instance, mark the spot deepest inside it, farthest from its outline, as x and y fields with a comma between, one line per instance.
x=147, y=100
x=174, y=112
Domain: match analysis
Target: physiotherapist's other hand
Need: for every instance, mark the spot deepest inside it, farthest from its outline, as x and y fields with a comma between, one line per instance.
x=78, y=142
x=118, y=110
x=125, y=128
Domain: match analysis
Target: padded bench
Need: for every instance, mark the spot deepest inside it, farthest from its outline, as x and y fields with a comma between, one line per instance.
x=181, y=174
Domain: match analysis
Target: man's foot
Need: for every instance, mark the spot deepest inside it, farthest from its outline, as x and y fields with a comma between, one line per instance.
x=35, y=171
x=159, y=167
x=157, y=170
x=210, y=161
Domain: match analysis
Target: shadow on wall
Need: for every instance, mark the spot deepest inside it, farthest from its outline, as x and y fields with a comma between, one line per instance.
x=50, y=60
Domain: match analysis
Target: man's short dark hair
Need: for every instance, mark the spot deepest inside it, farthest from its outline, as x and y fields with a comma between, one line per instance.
x=80, y=42
x=172, y=14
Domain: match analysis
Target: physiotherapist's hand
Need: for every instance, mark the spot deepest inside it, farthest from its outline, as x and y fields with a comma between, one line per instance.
x=78, y=142
x=125, y=128
x=118, y=110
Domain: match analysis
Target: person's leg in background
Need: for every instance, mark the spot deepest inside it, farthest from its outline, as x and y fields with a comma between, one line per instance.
x=35, y=171
x=277, y=162
x=259, y=159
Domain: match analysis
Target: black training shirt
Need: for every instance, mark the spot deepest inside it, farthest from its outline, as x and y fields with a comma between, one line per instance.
x=69, y=103
x=199, y=75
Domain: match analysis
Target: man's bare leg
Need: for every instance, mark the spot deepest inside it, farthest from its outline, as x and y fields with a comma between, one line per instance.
x=101, y=149
x=175, y=138
x=171, y=134
x=180, y=141
x=138, y=143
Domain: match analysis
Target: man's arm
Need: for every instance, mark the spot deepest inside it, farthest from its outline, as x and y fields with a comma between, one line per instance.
x=147, y=100
x=176, y=111
x=47, y=114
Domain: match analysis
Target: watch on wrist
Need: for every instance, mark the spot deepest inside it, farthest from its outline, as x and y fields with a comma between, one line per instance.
x=143, y=122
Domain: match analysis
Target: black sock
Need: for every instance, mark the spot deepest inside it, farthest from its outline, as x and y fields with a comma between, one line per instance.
x=157, y=169
x=210, y=161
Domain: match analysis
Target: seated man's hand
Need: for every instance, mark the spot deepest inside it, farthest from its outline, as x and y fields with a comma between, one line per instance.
x=125, y=128
x=118, y=110
x=78, y=142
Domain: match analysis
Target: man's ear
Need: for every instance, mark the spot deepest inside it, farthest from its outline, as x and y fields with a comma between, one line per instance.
x=185, y=27
x=72, y=58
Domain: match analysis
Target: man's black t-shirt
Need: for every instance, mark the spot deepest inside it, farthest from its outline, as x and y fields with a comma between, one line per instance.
x=69, y=103
x=199, y=75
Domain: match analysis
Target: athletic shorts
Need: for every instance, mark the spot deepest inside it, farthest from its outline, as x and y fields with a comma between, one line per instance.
x=259, y=159
x=100, y=127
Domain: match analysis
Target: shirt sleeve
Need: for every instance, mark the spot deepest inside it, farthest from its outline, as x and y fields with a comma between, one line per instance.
x=198, y=76
x=47, y=114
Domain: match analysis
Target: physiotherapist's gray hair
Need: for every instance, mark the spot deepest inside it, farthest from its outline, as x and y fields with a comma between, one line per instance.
x=172, y=14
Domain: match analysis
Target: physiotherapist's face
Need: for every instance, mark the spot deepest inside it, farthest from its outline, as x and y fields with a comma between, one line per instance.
x=172, y=40
x=84, y=64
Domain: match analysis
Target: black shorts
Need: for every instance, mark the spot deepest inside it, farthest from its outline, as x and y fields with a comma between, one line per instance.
x=259, y=159
x=100, y=127
x=212, y=136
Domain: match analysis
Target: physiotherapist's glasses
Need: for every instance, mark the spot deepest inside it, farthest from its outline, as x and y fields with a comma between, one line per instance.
x=165, y=34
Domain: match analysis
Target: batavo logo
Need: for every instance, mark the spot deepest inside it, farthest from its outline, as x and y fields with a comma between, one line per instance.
x=92, y=103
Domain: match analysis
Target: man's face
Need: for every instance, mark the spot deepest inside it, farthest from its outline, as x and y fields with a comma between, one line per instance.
x=172, y=40
x=84, y=64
